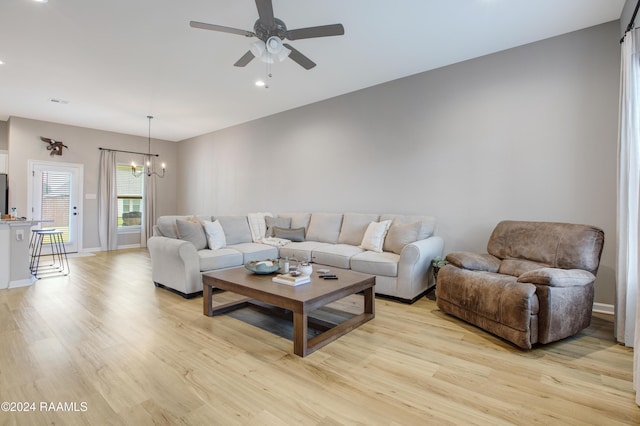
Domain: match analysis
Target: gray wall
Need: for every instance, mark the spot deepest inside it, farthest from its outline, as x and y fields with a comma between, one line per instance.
x=627, y=13
x=528, y=133
x=83, y=143
x=4, y=136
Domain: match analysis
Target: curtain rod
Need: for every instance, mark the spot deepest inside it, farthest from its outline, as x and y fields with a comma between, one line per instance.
x=133, y=152
x=632, y=21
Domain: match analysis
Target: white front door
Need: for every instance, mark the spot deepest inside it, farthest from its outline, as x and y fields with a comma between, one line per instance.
x=56, y=190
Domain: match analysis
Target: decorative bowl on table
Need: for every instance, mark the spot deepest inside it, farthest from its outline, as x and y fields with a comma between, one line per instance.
x=263, y=267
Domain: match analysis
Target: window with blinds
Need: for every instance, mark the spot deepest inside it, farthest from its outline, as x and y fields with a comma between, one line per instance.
x=130, y=196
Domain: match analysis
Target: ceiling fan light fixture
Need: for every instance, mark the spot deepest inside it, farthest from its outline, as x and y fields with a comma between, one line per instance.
x=274, y=45
x=258, y=48
x=283, y=54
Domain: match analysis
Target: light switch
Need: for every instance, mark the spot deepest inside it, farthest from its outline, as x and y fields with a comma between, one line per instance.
x=19, y=234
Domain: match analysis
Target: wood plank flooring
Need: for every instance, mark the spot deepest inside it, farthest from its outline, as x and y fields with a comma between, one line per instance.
x=118, y=350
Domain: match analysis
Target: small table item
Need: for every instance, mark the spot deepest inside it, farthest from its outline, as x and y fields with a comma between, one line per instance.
x=301, y=300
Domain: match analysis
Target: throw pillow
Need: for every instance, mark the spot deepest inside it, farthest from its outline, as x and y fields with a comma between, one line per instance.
x=192, y=232
x=401, y=234
x=374, y=236
x=280, y=222
x=215, y=234
x=295, y=235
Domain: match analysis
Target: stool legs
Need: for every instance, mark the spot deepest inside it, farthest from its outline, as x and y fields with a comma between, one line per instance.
x=59, y=263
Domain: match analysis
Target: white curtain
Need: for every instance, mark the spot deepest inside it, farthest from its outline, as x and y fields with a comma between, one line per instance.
x=628, y=296
x=108, y=201
x=149, y=208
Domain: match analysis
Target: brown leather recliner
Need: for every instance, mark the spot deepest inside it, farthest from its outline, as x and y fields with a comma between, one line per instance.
x=535, y=284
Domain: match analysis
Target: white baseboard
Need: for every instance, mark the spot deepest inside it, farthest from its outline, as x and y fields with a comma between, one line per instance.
x=128, y=246
x=603, y=308
x=122, y=247
x=90, y=250
x=22, y=283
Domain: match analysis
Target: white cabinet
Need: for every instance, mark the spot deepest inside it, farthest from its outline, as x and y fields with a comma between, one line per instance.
x=4, y=161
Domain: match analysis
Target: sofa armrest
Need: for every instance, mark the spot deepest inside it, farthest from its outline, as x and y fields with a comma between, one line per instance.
x=413, y=266
x=175, y=263
x=474, y=261
x=555, y=277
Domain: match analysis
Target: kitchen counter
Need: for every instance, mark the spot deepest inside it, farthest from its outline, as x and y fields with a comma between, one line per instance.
x=14, y=252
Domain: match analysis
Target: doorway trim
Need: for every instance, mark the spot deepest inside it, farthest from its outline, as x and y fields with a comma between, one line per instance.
x=32, y=164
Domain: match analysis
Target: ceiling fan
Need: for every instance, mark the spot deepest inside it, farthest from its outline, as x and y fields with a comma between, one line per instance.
x=271, y=32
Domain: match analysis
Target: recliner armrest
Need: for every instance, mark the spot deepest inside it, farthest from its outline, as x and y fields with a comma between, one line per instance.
x=474, y=261
x=555, y=277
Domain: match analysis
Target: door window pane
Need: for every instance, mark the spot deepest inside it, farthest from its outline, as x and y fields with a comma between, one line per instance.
x=56, y=193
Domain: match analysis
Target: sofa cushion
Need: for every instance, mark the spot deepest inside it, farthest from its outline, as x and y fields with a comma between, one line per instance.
x=401, y=234
x=559, y=245
x=236, y=229
x=370, y=262
x=280, y=222
x=192, y=232
x=302, y=250
x=324, y=227
x=374, y=236
x=296, y=234
x=218, y=259
x=337, y=255
x=215, y=234
x=167, y=224
x=255, y=251
x=354, y=225
x=428, y=223
x=517, y=267
x=298, y=220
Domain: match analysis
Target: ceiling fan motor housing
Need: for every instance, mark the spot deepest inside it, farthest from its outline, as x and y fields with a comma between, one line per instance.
x=264, y=31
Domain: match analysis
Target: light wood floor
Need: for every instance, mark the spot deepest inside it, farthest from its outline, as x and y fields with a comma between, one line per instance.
x=135, y=354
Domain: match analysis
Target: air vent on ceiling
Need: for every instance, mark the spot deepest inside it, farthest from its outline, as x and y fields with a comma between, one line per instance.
x=58, y=101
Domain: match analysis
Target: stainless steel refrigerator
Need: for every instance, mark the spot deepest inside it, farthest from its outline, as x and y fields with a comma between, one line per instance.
x=4, y=194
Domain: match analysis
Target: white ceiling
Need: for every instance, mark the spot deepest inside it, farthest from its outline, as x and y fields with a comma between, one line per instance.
x=117, y=61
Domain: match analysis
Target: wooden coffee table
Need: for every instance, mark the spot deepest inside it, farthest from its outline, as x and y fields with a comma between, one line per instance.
x=300, y=300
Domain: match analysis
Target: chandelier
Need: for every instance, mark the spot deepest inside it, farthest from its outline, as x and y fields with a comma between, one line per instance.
x=149, y=169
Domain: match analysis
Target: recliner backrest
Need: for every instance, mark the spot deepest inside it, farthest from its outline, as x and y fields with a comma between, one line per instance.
x=560, y=245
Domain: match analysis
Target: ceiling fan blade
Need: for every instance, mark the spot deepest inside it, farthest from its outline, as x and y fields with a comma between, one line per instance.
x=265, y=11
x=246, y=58
x=312, y=32
x=298, y=57
x=220, y=28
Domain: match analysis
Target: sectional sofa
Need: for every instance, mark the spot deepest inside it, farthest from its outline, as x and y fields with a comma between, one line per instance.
x=182, y=249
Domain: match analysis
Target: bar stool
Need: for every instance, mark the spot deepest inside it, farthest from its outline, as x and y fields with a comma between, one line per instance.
x=59, y=264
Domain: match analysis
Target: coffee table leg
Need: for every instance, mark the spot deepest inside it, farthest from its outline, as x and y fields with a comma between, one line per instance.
x=207, y=303
x=300, y=334
x=369, y=296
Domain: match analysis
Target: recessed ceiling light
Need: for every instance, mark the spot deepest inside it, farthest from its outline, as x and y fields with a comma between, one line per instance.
x=1, y=62
x=41, y=1
x=260, y=83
